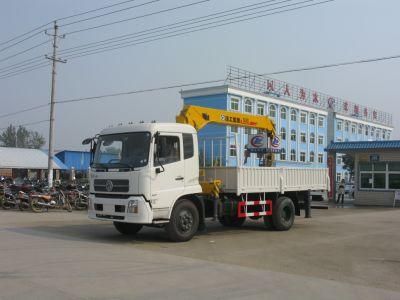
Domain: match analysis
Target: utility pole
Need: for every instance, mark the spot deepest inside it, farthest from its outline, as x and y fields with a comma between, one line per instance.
x=55, y=60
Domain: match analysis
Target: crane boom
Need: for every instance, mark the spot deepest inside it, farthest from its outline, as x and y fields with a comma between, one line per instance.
x=199, y=117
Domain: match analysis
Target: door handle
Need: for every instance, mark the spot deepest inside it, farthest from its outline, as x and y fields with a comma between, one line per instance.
x=179, y=178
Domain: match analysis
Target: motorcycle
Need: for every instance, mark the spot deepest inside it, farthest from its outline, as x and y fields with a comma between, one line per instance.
x=20, y=201
x=53, y=200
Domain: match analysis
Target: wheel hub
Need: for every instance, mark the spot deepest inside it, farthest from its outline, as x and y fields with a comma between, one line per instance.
x=185, y=221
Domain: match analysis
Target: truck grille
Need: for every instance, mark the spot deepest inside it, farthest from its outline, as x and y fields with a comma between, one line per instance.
x=111, y=185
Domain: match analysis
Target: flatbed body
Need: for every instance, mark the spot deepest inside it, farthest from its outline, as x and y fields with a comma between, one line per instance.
x=245, y=180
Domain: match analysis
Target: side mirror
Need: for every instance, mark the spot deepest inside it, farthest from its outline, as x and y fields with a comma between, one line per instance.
x=158, y=170
x=87, y=141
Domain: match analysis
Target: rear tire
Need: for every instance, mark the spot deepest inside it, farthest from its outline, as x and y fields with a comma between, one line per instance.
x=127, y=228
x=283, y=214
x=269, y=223
x=231, y=221
x=184, y=221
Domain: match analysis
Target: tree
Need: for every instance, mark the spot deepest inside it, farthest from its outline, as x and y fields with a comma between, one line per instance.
x=21, y=138
x=348, y=164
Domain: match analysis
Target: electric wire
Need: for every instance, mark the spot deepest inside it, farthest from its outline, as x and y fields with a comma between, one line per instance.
x=169, y=35
x=175, y=25
x=175, y=86
x=27, y=124
x=25, y=70
x=24, y=51
x=109, y=13
x=137, y=17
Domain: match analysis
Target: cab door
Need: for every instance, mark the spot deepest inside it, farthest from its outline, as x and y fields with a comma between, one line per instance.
x=168, y=171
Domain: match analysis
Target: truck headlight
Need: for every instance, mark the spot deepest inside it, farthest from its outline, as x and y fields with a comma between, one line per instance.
x=133, y=206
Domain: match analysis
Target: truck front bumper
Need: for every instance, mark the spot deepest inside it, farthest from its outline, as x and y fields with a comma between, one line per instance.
x=134, y=209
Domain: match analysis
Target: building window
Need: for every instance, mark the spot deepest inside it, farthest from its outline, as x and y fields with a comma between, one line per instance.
x=373, y=175
x=272, y=111
x=235, y=104
x=248, y=106
x=234, y=129
x=293, y=135
x=366, y=130
x=346, y=126
x=312, y=138
x=339, y=160
x=378, y=134
x=388, y=135
x=283, y=154
x=303, y=137
x=247, y=131
x=232, y=150
x=320, y=158
x=320, y=121
x=339, y=125
x=380, y=175
x=293, y=155
x=360, y=129
x=302, y=156
x=338, y=177
x=338, y=139
x=320, y=140
x=312, y=156
x=353, y=128
x=260, y=109
x=312, y=119
x=303, y=117
x=283, y=113
x=372, y=131
x=283, y=133
x=383, y=134
x=293, y=115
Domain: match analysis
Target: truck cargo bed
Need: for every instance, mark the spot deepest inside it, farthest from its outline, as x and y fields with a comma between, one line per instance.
x=239, y=180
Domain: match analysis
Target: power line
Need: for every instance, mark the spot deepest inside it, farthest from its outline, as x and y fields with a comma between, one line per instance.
x=24, y=51
x=139, y=33
x=175, y=25
x=169, y=35
x=44, y=25
x=137, y=17
x=26, y=33
x=109, y=13
x=24, y=70
x=27, y=124
x=384, y=58
x=93, y=10
x=223, y=80
x=24, y=110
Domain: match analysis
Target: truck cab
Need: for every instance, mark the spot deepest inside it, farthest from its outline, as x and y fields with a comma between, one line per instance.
x=139, y=172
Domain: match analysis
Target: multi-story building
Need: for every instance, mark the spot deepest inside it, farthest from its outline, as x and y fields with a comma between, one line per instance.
x=306, y=120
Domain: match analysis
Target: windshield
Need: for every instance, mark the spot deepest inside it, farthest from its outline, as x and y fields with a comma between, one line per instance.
x=123, y=150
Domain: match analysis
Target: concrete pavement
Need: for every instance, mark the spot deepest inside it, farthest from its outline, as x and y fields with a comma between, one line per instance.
x=339, y=253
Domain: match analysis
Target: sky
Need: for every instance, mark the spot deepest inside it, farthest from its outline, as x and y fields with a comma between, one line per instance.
x=342, y=30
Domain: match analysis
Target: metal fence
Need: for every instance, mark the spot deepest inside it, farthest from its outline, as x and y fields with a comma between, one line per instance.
x=264, y=85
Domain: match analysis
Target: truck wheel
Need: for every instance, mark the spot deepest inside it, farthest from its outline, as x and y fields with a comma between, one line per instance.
x=231, y=221
x=283, y=214
x=184, y=221
x=127, y=228
x=268, y=222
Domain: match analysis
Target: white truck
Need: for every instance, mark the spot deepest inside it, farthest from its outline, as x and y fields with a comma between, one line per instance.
x=149, y=174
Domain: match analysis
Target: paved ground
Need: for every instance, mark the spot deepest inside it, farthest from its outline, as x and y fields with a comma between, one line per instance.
x=341, y=253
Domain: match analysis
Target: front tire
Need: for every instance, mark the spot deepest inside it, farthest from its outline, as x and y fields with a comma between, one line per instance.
x=184, y=221
x=283, y=214
x=127, y=228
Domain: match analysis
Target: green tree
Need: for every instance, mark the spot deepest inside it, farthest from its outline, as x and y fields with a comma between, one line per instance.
x=21, y=137
x=348, y=164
